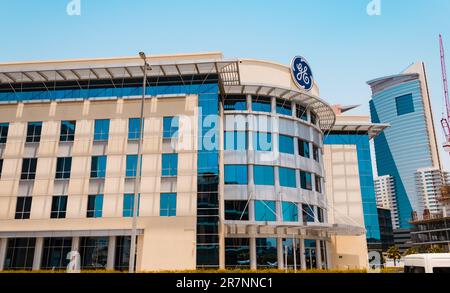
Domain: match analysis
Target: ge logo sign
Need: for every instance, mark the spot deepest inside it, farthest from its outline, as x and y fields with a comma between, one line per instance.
x=301, y=73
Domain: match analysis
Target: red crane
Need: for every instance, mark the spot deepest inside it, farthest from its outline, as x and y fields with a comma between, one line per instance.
x=445, y=121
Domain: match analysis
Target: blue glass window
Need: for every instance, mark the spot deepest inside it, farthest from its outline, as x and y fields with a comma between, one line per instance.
x=236, y=210
x=286, y=144
x=263, y=175
x=307, y=213
x=170, y=127
x=63, y=166
x=233, y=103
x=4, y=132
x=131, y=166
x=168, y=205
x=266, y=253
x=290, y=211
x=313, y=118
x=262, y=141
x=169, y=165
x=95, y=206
x=98, y=167
x=305, y=180
x=134, y=126
x=287, y=177
x=301, y=112
x=404, y=104
x=235, y=140
x=261, y=104
x=265, y=210
x=101, y=130
x=34, y=131
x=236, y=174
x=303, y=148
x=67, y=132
x=128, y=204
x=284, y=107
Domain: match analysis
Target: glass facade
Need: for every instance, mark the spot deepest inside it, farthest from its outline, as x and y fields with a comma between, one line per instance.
x=287, y=177
x=63, y=166
x=305, y=180
x=289, y=211
x=266, y=253
x=101, y=130
x=365, y=178
x=261, y=104
x=237, y=253
x=98, y=167
x=235, y=103
x=235, y=140
x=263, y=175
x=286, y=144
x=95, y=206
x=94, y=253
x=169, y=165
x=236, y=210
x=402, y=106
x=23, y=207
x=67, y=132
x=122, y=257
x=128, y=205
x=303, y=148
x=34, y=132
x=308, y=213
x=134, y=126
x=235, y=174
x=262, y=141
x=284, y=107
x=54, y=254
x=170, y=127
x=20, y=254
x=168, y=205
x=59, y=207
x=4, y=132
x=265, y=211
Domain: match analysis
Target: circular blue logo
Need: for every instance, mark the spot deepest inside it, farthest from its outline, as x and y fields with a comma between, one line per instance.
x=301, y=73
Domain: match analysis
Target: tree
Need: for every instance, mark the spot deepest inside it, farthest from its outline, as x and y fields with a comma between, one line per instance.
x=394, y=253
x=411, y=250
x=435, y=249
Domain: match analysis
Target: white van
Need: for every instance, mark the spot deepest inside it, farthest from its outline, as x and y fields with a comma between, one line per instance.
x=427, y=263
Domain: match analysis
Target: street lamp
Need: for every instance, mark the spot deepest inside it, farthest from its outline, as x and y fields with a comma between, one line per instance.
x=137, y=181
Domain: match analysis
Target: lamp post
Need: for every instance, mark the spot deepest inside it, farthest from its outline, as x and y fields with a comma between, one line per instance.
x=137, y=181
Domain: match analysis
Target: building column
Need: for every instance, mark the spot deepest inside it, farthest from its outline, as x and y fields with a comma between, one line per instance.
x=328, y=252
x=280, y=253
x=253, y=253
x=302, y=253
x=76, y=244
x=111, y=253
x=318, y=255
x=3, y=244
x=39, y=246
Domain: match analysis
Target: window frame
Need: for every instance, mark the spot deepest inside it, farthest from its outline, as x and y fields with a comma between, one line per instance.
x=95, y=200
x=168, y=210
x=34, y=131
x=65, y=134
x=60, y=203
x=101, y=129
x=24, y=212
x=63, y=174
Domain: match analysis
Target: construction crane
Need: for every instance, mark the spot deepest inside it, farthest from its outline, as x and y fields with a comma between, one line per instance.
x=445, y=121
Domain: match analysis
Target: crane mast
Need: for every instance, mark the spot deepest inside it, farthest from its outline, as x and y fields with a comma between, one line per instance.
x=445, y=121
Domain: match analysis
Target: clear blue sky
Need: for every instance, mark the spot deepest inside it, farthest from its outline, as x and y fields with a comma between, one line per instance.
x=344, y=45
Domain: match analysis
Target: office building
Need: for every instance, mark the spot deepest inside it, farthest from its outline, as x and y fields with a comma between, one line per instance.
x=349, y=173
x=386, y=231
x=403, y=102
x=232, y=169
x=386, y=197
x=429, y=183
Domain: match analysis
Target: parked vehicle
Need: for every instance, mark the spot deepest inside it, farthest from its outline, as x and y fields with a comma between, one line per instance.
x=427, y=263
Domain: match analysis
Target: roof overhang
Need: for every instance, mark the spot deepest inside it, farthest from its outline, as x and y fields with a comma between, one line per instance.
x=372, y=129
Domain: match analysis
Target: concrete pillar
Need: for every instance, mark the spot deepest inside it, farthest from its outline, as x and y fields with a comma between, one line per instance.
x=273, y=103
x=294, y=110
x=253, y=253
x=3, y=245
x=38, y=248
x=302, y=253
x=111, y=253
x=328, y=254
x=280, y=253
x=251, y=193
x=318, y=255
x=249, y=102
x=76, y=244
